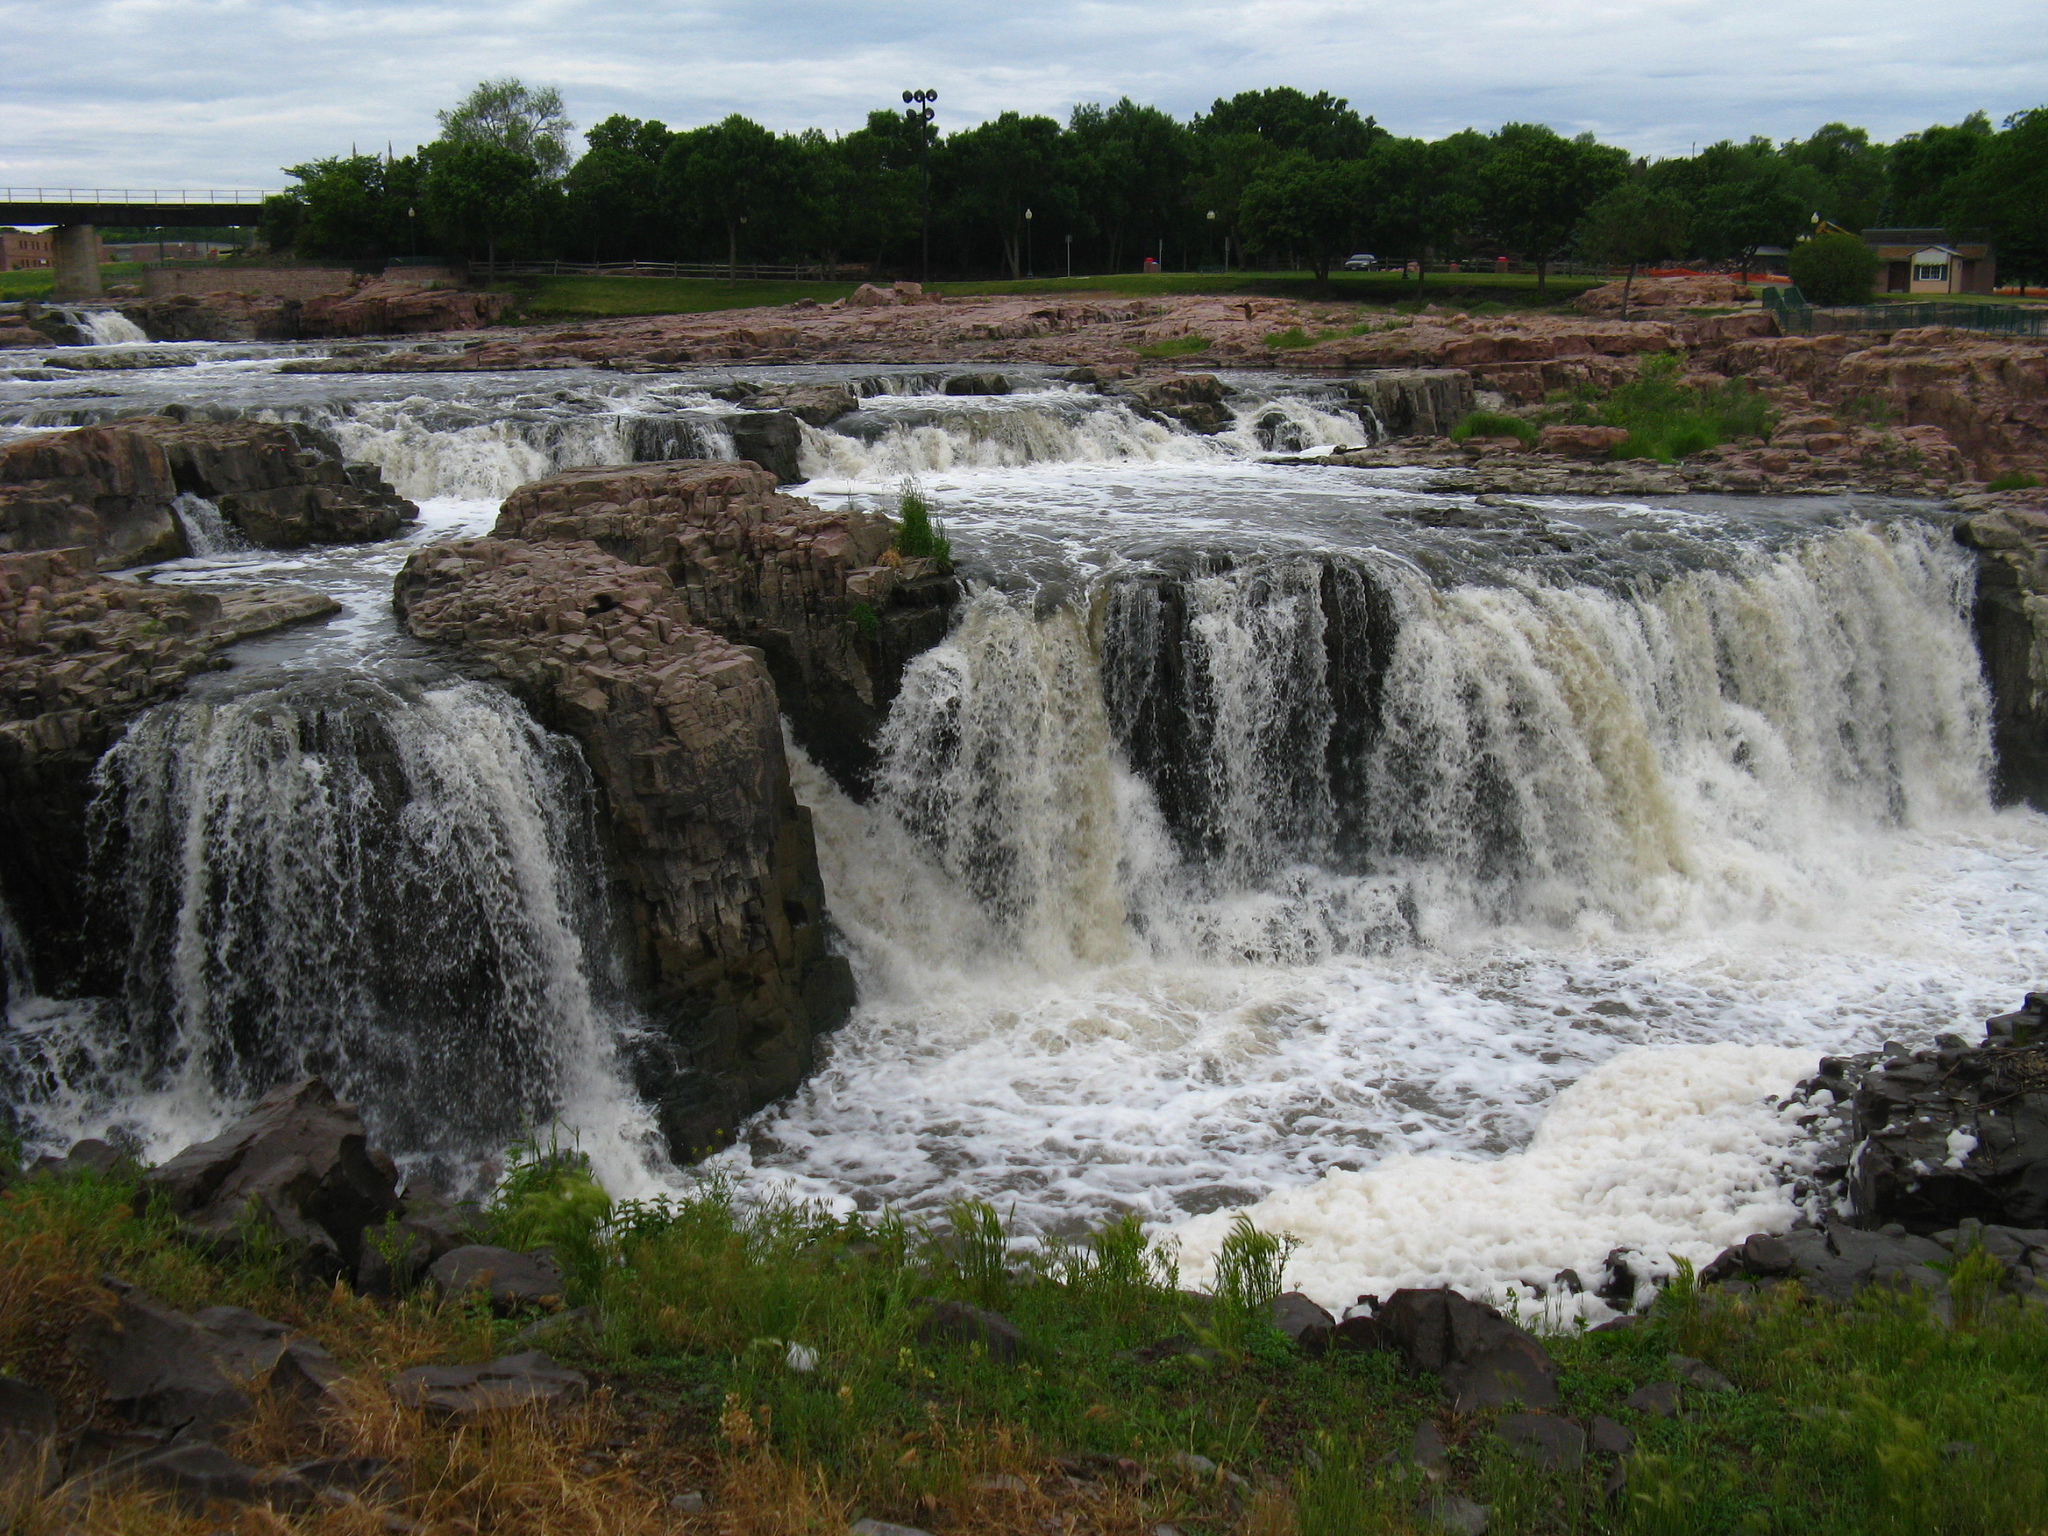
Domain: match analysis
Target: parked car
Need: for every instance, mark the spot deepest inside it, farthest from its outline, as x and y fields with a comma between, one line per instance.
x=1365, y=261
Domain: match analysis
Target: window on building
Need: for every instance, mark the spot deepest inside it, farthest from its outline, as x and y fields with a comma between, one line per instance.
x=1930, y=272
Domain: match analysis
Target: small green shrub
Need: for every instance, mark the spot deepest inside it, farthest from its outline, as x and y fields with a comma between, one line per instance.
x=1834, y=269
x=2018, y=480
x=918, y=537
x=1250, y=1272
x=865, y=619
x=1493, y=424
x=1293, y=336
x=1668, y=420
x=549, y=1198
x=1176, y=346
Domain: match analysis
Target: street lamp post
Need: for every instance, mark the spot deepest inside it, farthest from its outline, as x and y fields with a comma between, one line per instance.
x=1070, y=254
x=920, y=112
x=1030, y=266
x=1212, y=231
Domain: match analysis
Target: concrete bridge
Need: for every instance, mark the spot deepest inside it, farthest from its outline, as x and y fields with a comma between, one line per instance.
x=77, y=213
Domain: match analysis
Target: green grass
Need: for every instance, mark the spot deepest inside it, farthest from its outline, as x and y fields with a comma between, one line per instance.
x=569, y=298
x=1868, y=1420
x=918, y=537
x=1176, y=346
x=1493, y=424
x=1668, y=420
x=2018, y=480
x=36, y=282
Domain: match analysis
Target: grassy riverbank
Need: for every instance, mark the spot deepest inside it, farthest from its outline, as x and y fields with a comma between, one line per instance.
x=575, y=297
x=771, y=1362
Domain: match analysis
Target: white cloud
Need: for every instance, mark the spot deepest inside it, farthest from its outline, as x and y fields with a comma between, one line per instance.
x=226, y=92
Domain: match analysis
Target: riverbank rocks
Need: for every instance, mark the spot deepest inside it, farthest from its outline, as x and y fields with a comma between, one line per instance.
x=80, y=655
x=1412, y=402
x=1195, y=400
x=514, y=1282
x=391, y=305
x=530, y=1382
x=196, y=1372
x=834, y=612
x=300, y=1160
x=1647, y=293
x=818, y=405
x=115, y=488
x=714, y=863
x=962, y=1325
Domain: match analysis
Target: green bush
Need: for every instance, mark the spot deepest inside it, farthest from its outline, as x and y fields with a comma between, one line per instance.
x=1493, y=424
x=2018, y=480
x=1176, y=346
x=918, y=537
x=1666, y=419
x=1834, y=269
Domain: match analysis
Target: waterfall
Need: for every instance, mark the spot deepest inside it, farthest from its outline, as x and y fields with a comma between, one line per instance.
x=394, y=887
x=104, y=327
x=206, y=530
x=1286, y=757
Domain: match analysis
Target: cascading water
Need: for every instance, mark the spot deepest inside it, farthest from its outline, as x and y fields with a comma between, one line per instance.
x=104, y=327
x=206, y=530
x=391, y=886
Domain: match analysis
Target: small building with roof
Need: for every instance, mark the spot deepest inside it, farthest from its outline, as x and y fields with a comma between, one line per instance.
x=1928, y=261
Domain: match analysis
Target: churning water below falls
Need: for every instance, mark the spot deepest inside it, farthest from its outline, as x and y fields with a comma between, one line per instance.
x=1451, y=886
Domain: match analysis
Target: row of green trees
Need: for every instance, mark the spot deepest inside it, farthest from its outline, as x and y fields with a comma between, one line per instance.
x=1266, y=177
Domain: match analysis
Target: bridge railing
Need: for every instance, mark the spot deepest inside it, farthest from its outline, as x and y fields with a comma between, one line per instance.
x=130, y=195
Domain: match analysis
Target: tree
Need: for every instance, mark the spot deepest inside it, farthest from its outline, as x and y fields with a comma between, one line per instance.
x=1129, y=164
x=1634, y=223
x=1535, y=188
x=477, y=194
x=1742, y=195
x=1299, y=203
x=1841, y=173
x=1925, y=171
x=2005, y=195
x=992, y=173
x=352, y=206
x=1321, y=126
x=613, y=192
x=510, y=115
x=1834, y=269
x=734, y=176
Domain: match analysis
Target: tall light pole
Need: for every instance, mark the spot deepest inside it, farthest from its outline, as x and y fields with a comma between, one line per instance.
x=1070, y=254
x=1212, y=231
x=919, y=104
x=1030, y=266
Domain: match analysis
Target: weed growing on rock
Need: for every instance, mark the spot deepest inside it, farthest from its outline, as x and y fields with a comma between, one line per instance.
x=1493, y=424
x=1176, y=346
x=1667, y=419
x=917, y=536
x=2018, y=480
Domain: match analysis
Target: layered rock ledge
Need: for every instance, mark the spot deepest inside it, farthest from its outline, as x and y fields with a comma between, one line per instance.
x=115, y=488
x=714, y=861
x=81, y=655
x=835, y=613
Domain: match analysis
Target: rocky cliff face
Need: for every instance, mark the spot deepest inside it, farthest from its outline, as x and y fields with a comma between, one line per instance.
x=2010, y=535
x=374, y=307
x=714, y=860
x=79, y=656
x=835, y=614
x=113, y=488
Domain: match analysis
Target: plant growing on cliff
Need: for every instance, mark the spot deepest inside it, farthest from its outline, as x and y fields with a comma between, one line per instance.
x=1668, y=419
x=918, y=537
x=1834, y=269
x=2018, y=480
x=1493, y=424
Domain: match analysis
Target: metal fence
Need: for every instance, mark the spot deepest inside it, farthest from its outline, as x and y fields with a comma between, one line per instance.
x=126, y=195
x=1797, y=317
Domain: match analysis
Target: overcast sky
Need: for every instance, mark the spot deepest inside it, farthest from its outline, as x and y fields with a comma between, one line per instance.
x=223, y=93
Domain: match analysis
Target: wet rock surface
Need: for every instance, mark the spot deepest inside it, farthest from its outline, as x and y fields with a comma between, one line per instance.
x=2009, y=532
x=513, y=1282
x=115, y=488
x=1482, y=1359
x=714, y=862
x=380, y=306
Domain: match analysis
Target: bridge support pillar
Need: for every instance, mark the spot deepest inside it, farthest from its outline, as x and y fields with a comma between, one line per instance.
x=75, y=249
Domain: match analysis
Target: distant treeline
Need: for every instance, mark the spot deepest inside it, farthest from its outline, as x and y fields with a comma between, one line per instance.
x=1278, y=175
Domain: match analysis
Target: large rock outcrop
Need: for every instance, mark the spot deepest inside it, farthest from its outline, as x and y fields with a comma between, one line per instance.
x=2010, y=536
x=81, y=654
x=114, y=487
x=383, y=306
x=1414, y=402
x=820, y=593
x=714, y=861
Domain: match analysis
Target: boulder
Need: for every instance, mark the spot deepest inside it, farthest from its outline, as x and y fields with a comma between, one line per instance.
x=1556, y=1445
x=977, y=384
x=960, y=1325
x=463, y=1393
x=1482, y=1359
x=195, y=1372
x=1412, y=402
x=771, y=439
x=515, y=1282
x=1580, y=442
x=817, y=405
x=1195, y=400
x=868, y=296
x=1307, y=1324
x=109, y=488
x=301, y=1161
